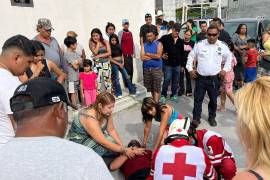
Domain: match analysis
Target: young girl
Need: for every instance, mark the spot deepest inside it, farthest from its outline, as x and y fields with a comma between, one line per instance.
x=163, y=113
x=42, y=67
x=227, y=83
x=117, y=64
x=88, y=83
x=101, y=50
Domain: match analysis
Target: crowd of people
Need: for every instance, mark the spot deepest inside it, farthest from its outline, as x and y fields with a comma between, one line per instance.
x=40, y=77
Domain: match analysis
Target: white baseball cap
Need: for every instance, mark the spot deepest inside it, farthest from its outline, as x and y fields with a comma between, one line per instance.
x=160, y=13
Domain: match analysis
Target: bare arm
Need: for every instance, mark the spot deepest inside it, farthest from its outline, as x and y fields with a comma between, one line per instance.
x=147, y=129
x=112, y=131
x=162, y=128
x=143, y=56
x=118, y=162
x=93, y=129
x=61, y=76
x=83, y=55
x=23, y=78
x=81, y=91
x=159, y=52
x=75, y=65
x=108, y=53
x=114, y=61
x=94, y=47
x=265, y=36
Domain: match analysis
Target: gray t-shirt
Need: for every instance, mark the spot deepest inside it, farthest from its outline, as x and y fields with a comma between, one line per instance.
x=50, y=158
x=52, y=52
x=73, y=75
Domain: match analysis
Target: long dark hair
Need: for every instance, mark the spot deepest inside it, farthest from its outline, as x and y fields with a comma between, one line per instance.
x=149, y=103
x=239, y=29
x=97, y=31
x=37, y=46
x=115, y=37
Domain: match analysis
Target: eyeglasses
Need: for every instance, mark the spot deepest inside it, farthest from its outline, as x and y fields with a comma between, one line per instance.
x=214, y=35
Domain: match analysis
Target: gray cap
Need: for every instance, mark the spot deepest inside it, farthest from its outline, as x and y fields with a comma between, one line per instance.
x=45, y=23
x=125, y=21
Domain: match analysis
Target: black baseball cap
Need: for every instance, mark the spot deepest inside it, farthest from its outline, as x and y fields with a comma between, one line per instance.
x=148, y=15
x=41, y=91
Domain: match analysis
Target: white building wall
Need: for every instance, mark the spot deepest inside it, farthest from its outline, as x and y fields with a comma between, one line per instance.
x=78, y=15
x=169, y=9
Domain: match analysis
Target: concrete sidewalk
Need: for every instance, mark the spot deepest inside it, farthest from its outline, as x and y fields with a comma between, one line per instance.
x=130, y=126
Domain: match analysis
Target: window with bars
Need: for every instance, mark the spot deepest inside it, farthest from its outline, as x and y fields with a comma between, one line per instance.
x=22, y=3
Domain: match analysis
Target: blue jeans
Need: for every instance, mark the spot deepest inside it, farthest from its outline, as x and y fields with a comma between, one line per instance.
x=116, y=83
x=171, y=74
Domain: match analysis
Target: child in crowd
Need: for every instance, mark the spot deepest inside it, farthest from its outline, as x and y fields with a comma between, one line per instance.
x=88, y=83
x=117, y=64
x=74, y=61
x=136, y=168
x=227, y=83
x=251, y=58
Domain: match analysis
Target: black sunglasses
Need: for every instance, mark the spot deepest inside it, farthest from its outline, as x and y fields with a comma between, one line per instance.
x=214, y=35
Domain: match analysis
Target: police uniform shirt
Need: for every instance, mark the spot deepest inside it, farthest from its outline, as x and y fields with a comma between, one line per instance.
x=209, y=57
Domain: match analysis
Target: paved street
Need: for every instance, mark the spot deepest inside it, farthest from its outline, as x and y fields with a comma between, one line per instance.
x=129, y=125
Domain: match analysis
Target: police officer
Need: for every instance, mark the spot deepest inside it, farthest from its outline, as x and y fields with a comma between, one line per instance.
x=204, y=65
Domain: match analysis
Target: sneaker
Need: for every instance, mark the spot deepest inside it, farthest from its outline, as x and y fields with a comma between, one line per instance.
x=163, y=99
x=174, y=98
x=118, y=97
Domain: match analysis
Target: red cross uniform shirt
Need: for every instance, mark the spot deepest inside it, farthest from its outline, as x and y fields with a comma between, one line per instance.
x=214, y=146
x=181, y=161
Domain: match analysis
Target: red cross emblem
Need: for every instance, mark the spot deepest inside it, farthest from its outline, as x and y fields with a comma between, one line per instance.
x=179, y=169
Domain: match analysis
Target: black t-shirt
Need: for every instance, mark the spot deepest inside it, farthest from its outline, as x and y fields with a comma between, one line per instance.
x=188, y=46
x=45, y=72
x=144, y=29
x=201, y=36
x=175, y=50
x=224, y=36
x=116, y=51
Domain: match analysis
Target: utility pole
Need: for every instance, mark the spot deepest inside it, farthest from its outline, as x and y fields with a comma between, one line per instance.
x=183, y=11
x=219, y=9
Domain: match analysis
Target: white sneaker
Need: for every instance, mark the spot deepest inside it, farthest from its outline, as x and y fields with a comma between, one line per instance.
x=119, y=97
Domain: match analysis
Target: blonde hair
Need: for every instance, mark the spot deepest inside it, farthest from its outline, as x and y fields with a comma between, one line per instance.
x=253, y=125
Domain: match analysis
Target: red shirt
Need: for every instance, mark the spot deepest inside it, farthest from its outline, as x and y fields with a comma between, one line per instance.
x=252, y=57
x=89, y=80
x=127, y=43
x=139, y=162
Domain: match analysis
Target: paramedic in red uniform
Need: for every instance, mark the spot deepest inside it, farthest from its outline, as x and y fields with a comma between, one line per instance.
x=218, y=151
x=178, y=159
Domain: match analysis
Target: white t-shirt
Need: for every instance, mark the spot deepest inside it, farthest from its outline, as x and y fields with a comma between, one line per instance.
x=8, y=84
x=50, y=158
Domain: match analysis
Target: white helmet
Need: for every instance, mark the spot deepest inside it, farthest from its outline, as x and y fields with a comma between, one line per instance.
x=178, y=129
